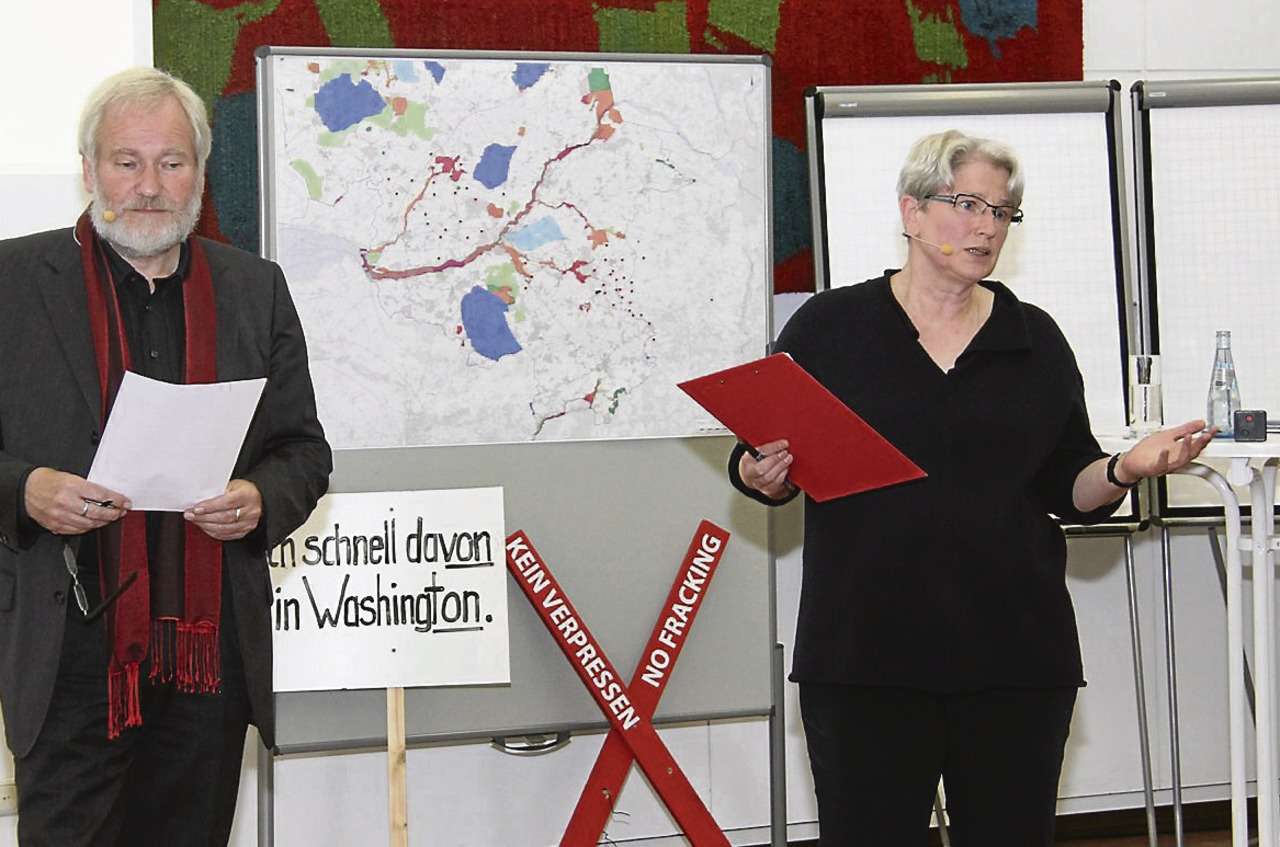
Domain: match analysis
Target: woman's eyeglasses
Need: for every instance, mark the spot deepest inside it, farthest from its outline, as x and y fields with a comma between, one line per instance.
x=973, y=205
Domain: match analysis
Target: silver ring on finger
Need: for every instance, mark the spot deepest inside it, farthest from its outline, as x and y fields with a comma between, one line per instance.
x=237, y=514
x=85, y=510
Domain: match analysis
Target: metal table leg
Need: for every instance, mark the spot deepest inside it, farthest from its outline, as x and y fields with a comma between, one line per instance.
x=1263, y=608
x=1215, y=549
x=1171, y=669
x=1268, y=480
x=1236, y=700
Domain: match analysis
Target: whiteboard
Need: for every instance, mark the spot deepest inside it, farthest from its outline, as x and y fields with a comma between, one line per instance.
x=1067, y=257
x=506, y=248
x=1211, y=201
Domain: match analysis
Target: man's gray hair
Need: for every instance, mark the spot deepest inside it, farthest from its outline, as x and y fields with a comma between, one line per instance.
x=146, y=87
x=930, y=166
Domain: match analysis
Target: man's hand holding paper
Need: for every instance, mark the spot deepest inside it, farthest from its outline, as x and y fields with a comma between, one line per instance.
x=66, y=504
x=171, y=448
x=231, y=515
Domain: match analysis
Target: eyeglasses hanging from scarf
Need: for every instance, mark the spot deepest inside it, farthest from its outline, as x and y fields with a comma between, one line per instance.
x=77, y=590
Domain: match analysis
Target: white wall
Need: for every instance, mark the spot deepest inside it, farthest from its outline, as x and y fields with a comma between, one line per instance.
x=50, y=66
x=326, y=799
x=55, y=52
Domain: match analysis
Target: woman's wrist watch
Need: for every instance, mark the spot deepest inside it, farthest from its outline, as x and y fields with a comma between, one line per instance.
x=1115, y=480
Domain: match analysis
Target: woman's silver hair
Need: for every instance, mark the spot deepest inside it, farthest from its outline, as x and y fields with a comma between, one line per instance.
x=146, y=87
x=930, y=166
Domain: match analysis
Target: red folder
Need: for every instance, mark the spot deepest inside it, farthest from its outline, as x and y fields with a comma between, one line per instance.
x=836, y=452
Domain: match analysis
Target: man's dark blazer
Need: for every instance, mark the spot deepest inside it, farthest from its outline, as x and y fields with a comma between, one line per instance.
x=49, y=417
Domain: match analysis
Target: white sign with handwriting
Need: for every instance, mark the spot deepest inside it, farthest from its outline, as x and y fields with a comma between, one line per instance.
x=393, y=589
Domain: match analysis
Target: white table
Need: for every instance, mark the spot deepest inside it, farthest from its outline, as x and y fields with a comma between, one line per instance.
x=1253, y=465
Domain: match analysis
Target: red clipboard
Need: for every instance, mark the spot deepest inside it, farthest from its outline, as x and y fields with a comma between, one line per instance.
x=836, y=452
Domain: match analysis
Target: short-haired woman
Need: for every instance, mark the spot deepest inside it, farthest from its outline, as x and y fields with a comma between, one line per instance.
x=935, y=635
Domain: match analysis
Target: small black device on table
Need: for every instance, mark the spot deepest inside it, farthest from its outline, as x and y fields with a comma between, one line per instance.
x=1250, y=425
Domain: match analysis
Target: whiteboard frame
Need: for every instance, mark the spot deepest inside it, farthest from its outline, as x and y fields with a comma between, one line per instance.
x=1146, y=95
x=1099, y=96
x=665, y=458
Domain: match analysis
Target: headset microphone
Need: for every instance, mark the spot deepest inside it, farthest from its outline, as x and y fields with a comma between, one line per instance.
x=109, y=216
x=944, y=248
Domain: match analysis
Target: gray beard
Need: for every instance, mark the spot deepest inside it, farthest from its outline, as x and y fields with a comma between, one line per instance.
x=132, y=244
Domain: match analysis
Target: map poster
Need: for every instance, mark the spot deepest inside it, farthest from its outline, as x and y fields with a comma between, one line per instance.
x=488, y=250
x=392, y=589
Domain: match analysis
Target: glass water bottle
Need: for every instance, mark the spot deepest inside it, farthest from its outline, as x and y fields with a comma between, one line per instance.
x=1224, y=390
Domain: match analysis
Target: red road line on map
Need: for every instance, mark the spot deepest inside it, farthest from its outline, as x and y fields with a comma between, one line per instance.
x=406, y=273
x=431, y=175
x=574, y=269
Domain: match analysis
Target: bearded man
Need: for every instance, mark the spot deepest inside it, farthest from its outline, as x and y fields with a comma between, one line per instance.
x=135, y=647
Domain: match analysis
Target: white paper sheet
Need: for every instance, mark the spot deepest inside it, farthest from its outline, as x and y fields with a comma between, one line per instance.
x=167, y=447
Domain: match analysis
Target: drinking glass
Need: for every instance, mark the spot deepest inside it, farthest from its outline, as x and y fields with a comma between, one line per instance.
x=1146, y=411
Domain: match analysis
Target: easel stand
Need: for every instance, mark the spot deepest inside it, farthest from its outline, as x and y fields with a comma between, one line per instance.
x=1115, y=444
x=1140, y=691
x=1126, y=532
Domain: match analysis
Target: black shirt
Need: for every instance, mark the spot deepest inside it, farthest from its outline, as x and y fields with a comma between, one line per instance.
x=153, y=322
x=958, y=581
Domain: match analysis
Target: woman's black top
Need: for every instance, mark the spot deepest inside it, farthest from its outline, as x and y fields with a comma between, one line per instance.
x=956, y=582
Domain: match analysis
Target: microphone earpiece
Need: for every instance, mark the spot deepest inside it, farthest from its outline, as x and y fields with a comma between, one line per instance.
x=944, y=248
x=109, y=216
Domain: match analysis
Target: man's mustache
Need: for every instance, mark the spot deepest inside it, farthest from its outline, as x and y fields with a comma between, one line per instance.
x=150, y=205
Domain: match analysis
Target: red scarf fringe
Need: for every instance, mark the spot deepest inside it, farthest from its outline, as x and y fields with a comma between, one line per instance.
x=124, y=707
x=163, y=650
x=186, y=654
x=199, y=660
x=182, y=653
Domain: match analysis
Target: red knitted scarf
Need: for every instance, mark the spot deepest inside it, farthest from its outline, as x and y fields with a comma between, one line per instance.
x=171, y=612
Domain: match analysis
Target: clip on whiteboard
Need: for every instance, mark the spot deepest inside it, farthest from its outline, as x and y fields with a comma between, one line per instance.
x=836, y=452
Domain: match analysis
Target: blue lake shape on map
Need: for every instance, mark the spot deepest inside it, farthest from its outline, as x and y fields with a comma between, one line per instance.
x=342, y=103
x=494, y=164
x=535, y=235
x=437, y=69
x=405, y=70
x=484, y=319
x=527, y=74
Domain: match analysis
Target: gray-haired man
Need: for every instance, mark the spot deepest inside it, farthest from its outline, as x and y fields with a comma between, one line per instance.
x=135, y=647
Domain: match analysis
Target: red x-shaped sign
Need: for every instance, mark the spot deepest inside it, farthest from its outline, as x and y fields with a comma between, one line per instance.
x=628, y=709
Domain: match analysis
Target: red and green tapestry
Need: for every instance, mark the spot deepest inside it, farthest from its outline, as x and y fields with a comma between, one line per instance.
x=210, y=43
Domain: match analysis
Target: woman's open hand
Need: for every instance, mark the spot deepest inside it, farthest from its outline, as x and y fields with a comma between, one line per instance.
x=1164, y=452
